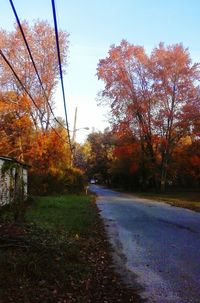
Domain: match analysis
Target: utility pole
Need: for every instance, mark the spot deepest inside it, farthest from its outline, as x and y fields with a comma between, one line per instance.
x=74, y=129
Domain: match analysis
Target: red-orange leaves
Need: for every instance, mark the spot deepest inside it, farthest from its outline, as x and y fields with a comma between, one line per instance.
x=156, y=95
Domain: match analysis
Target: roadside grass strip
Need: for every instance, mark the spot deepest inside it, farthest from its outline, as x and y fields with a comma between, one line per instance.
x=190, y=200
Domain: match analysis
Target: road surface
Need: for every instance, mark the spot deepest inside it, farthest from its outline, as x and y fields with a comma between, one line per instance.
x=157, y=246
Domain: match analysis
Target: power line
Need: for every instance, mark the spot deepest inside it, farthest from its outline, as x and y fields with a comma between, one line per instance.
x=25, y=89
x=60, y=66
x=32, y=60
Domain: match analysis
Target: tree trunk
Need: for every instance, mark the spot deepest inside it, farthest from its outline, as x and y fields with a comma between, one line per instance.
x=163, y=175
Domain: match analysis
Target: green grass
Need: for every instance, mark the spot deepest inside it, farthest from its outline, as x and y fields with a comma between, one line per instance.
x=51, y=252
x=72, y=213
x=190, y=200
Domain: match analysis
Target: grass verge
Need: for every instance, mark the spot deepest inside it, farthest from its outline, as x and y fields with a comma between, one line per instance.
x=60, y=254
x=190, y=200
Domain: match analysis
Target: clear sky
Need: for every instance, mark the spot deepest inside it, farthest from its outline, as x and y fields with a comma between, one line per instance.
x=93, y=26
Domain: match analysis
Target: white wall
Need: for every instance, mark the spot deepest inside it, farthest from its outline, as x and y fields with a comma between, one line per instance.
x=7, y=184
x=4, y=186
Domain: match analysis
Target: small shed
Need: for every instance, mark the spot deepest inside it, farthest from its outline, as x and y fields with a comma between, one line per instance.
x=13, y=180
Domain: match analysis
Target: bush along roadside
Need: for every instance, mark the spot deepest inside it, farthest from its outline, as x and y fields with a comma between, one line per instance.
x=60, y=254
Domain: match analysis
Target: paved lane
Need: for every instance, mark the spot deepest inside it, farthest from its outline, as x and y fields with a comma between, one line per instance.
x=157, y=242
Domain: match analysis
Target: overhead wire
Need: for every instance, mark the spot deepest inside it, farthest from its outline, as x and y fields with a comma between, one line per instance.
x=27, y=92
x=60, y=67
x=33, y=62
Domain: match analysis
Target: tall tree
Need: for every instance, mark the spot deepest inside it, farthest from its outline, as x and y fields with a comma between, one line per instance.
x=25, y=128
x=41, y=40
x=129, y=91
x=175, y=81
x=156, y=96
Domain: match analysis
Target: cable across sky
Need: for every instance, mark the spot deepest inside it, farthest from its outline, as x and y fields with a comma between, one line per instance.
x=32, y=60
x=37, y=73
x=60, y=67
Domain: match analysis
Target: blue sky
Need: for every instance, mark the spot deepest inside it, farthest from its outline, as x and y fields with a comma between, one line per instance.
x=93, y=26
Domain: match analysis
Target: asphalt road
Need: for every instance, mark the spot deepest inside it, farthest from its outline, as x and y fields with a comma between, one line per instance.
x=156, y=244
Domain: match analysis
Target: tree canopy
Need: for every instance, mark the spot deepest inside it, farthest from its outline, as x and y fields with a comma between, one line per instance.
x=28, y=128
x=156, y=98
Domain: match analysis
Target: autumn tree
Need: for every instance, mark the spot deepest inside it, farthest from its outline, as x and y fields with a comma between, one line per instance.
x=50, y=159
x=99, y=156
x=185, y=164
x=16, y=126
x=41, y=40
x=175, y=83
x=81, y=154
x=156, y=96
x=28, y=128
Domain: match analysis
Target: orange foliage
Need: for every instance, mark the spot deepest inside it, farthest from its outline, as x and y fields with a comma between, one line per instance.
x=156, y=97
x=24, y=127
x=50, y=153
x=15, y=125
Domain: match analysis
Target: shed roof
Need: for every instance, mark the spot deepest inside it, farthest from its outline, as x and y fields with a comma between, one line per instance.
x=5, y=158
